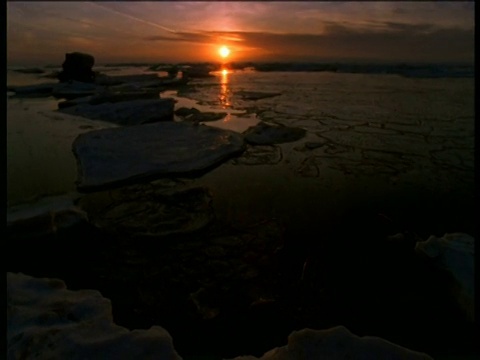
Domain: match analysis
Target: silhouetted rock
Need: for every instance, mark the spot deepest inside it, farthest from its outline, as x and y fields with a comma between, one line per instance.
x=77, y=66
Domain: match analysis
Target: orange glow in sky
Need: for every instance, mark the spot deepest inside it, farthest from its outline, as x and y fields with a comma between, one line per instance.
x=131, y=31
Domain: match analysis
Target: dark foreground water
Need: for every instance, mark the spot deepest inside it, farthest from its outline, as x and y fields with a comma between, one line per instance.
x=310, y=247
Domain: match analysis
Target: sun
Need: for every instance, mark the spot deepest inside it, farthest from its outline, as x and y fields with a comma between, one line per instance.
x=224, y=52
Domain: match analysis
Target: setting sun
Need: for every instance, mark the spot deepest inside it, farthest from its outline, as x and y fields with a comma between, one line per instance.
x=224, y=51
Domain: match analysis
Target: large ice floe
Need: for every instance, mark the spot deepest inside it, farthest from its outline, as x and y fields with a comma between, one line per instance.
x=45, y=320
x=125, y=154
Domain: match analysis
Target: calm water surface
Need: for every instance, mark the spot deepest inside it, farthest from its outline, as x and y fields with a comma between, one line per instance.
x=382, y=136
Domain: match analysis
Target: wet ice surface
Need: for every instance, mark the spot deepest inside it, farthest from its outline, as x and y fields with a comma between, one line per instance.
x=367, y=137
x=395, y=145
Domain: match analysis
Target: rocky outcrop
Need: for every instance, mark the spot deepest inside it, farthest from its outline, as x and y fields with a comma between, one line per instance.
x=114, y=156
x=454, y=254
x=132, y=112
x=267, y=134
x=45, y=320
x=335, y=344
x=78, y=67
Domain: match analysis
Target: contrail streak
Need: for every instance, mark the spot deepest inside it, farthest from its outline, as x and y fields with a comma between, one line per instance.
x=133, y=17
x=57, y=15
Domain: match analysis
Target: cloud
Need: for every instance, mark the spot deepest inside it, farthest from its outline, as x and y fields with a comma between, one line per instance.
x=388, y=40
x=205, y=37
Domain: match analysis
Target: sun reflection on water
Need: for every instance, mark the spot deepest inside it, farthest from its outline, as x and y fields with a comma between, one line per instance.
x=225, y=94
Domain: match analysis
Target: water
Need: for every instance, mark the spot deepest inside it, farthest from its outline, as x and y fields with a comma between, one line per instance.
x=401, y=146
x=383, y=134
x=392, y=141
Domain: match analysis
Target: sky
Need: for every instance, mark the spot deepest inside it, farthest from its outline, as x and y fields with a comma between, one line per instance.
x=40, y=33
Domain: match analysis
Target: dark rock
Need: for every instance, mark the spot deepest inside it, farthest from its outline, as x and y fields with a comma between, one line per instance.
x=77, y=66
x=109, y=157
x=266, y=134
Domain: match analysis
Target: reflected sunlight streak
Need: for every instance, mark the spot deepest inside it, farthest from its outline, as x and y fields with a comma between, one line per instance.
x=224, y=91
